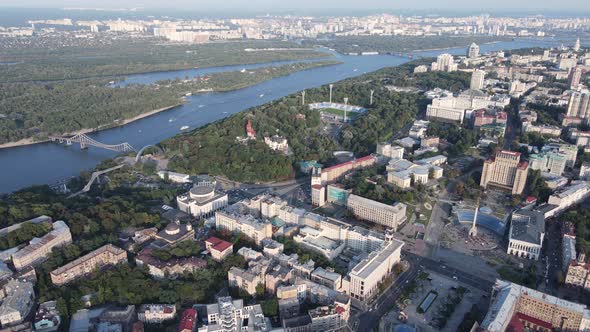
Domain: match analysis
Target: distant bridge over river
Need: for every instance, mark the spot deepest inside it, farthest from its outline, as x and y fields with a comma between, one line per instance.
x=86, y=141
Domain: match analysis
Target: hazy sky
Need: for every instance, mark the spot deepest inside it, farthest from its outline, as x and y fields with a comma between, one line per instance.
x=270, y=5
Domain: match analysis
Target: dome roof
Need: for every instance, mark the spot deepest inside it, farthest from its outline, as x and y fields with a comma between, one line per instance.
x=172, y=228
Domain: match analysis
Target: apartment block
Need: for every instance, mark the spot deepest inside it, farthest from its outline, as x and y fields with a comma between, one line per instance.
x=99, y=258
x=367, y=275
x=40, y=248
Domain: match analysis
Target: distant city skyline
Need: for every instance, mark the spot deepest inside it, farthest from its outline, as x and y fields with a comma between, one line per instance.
x=311, y=5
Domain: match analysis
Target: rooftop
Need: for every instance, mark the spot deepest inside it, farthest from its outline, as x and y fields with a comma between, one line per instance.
x=375, y=259
x=528, y=226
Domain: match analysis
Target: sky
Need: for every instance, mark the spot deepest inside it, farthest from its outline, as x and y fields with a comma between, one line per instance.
x=278, y=5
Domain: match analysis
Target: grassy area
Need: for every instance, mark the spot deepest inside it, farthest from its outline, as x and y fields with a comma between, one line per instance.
x=526, y=277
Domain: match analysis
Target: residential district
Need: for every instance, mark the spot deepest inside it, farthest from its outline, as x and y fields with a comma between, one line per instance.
x=289, y=27
x=488, y=256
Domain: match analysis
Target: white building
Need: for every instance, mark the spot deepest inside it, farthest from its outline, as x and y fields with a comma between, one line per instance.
x=253, y=228
x=156, y=313
x=568, y=196
x=231, y=315
x=404, y=173
x=527, y=231
x=390, y=216
x=174, y=177
x=367, y=275
x=201, y=201
x=390, y=151
x=477, y=79
x=277, y=143
x=444, y=62
x=473, y=51
x=549, y=162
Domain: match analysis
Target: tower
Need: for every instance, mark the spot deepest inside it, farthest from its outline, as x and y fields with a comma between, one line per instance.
x=577, y=45
x=331, y=86
x=473, y=230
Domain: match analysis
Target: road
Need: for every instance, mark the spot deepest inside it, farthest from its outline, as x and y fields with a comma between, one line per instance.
x=369, y=320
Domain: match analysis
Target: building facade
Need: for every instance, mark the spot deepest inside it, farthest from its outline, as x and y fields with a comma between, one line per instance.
x=40, y=248
x=101, y=257
x=505, y=170
x=390, y=216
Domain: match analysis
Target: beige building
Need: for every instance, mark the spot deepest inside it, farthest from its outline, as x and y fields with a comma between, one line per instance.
x=219, y=248
x=103, y=256
x=255, y=229
x=39, y=248
x=477, y=79
x=505, y=170
x=578, y=273
x=367, y=275
x=245, y=280
x=201, y=201
x=532, y=308
x=390, y=216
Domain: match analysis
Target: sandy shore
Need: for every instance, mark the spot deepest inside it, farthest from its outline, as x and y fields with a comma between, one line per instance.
x=30, y=141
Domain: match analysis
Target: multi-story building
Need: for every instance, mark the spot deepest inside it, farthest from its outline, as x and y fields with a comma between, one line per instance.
x=219, y=248
x=568, y=196
x=327, y=278
x=473, y=51
x=578, y=273
x=568, y=246
x=171, y=268
x=336, y=172
x=232, y=315
x=156, y=313
x=390, y=216
x=19, y=299
x=174, y=233
x=99, y=258
x=515, y=304
x=390, y=151
x=244, y=279
x=454, y=108
x=548, y=162
x=174, y=177
x=444, y=62
x=579, y=105
x=404, y=173
x=201, y=201
x=505, y=170
x=367, y=275
x=253, y=228
x=527, y=231
x=575, y=76
x=477, y=79
x=40, y=248
x=326, y=319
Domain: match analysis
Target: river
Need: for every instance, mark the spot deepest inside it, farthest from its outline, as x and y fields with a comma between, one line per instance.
x=48, y=163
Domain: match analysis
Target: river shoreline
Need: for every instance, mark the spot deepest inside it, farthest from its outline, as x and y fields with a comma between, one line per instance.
x=31, y=141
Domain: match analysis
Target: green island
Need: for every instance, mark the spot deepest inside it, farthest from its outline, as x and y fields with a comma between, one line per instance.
x=32, y=110
x=123, y=56
x=399, y=44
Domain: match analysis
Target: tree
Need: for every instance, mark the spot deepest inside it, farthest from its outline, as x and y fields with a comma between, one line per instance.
x=259, y=291
x=460, y=188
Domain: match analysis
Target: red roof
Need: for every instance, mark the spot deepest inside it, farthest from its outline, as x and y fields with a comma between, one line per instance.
x=534, y=320
x=510, y=152
x=317, y=186
x=359, y=160
x=501, y=115
x=187, y=321
x=218, y=244
x=249, y=130
x=523, y=164
x=531, y=199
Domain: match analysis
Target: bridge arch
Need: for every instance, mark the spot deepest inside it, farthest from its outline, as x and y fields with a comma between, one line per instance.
x=140, y=152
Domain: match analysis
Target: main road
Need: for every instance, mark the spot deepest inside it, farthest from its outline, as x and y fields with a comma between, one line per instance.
x=46, y=162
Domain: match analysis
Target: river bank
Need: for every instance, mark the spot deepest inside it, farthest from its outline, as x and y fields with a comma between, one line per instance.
x=31, y=140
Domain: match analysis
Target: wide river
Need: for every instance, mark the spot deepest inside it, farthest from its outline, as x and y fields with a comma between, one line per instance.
x=48, y=163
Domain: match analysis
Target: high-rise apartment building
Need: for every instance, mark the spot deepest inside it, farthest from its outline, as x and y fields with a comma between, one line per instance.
x=505, y=170
x=579, y=105
x=473, y=51
x=477, y=79
x=575, y=76
x=444, y=62
x=390, y=216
